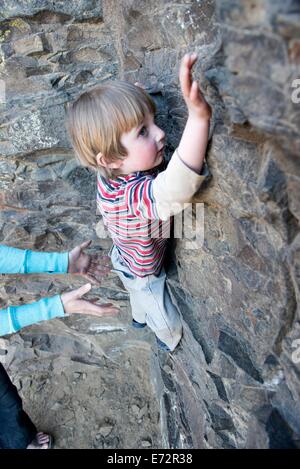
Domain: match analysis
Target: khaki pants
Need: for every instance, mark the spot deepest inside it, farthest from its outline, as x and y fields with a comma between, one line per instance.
x=150, y=301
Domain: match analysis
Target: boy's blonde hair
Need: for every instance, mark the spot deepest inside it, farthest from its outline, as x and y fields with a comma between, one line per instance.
x=98, y=117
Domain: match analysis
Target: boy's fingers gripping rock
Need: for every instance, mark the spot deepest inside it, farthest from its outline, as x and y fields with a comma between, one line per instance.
x=185, y=73
x=184, y=77
x=194, y=95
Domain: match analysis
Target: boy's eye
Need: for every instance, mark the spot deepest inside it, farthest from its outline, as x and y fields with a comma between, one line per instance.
x=143, y=131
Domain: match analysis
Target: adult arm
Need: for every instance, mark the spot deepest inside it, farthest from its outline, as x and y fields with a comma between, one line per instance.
x=19, y=261
x=14, y=318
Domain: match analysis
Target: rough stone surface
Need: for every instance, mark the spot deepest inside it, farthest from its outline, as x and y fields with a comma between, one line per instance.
x=232, y=383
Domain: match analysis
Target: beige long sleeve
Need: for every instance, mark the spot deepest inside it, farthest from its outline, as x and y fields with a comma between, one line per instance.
x=174, y=187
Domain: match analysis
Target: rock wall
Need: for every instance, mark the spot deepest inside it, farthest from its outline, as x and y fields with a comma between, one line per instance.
x=232, y=383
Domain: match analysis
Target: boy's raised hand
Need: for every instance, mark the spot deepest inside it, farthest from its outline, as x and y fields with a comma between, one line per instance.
x=196, y=104
x=73, y=303
x=92, y=267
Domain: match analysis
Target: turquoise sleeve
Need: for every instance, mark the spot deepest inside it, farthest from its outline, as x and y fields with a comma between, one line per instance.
x=19, y=261
x=13, y=318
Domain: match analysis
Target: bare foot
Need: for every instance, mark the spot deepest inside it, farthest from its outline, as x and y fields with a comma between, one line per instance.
x=41, y=441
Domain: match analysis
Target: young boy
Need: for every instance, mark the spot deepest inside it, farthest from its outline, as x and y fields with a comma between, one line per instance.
x=112, y=130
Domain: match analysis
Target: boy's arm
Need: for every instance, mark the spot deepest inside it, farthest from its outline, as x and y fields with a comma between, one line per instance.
x=193, y=143
x=175, y=186
x=185, y=172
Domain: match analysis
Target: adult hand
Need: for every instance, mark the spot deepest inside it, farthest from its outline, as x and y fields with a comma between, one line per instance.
x=195, y=101
x=92, y=267
x=73, y=303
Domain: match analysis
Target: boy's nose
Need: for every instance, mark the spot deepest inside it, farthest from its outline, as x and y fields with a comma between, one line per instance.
x=160, y=135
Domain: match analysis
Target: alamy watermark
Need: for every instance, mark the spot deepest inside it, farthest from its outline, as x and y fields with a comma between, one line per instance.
x=3, y=350
x=295, y=96
x=188, y=224
x=2, y=92
x=296, y=353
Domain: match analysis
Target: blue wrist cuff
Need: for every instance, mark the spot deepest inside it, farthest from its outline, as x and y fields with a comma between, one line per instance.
x=15, y=318
x=50, y=262
x=19, y=261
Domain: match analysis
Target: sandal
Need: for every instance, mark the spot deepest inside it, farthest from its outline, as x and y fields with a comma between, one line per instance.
x=36, y=445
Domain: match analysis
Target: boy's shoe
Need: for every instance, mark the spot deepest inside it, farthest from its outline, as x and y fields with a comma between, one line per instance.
x=162, y=345
x=138, y=325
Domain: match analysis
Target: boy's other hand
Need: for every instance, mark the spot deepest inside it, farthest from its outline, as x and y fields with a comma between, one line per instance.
x=196, y=104
x=92, y=267
x=73, y=303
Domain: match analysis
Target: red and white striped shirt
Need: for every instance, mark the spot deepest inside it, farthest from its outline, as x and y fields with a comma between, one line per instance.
x=129, y=212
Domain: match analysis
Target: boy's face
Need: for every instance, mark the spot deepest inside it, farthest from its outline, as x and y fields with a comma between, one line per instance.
x=144, y=145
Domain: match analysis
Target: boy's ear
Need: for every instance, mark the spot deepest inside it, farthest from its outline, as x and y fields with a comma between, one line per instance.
x=101, y=161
